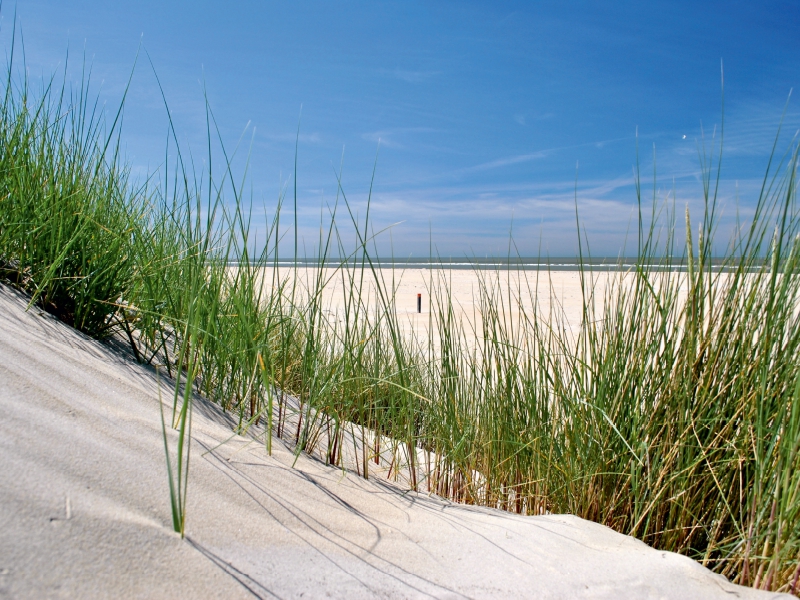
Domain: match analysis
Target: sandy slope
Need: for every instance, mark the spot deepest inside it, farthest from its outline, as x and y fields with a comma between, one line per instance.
x=84, y=507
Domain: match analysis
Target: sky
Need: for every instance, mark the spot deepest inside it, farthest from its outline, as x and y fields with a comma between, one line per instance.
x=479, y=120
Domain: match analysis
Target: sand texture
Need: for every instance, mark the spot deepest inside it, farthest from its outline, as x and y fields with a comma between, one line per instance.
x=84, y=506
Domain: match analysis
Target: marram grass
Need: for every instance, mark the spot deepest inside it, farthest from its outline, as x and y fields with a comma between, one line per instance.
x=671, y=412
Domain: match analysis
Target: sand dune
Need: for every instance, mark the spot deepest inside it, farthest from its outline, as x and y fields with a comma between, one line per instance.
x=84, y=506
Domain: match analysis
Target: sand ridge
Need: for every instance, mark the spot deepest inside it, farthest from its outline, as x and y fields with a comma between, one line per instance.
x=84, y=506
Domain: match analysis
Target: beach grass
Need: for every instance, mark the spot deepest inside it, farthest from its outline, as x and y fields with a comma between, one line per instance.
x=671, y=412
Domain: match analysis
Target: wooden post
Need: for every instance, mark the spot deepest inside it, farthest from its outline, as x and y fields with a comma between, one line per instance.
x=419, y=303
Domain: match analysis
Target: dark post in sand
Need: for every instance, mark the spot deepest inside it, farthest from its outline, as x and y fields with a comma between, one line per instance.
x=419, y=303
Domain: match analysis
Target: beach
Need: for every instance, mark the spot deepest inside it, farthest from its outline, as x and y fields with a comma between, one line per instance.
x=558, y=295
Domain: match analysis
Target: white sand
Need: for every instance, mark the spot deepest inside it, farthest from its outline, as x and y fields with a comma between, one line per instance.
x=558, y=293
x=84, y=507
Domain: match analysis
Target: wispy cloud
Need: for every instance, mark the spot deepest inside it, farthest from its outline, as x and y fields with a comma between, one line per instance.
x=523, y=119
x=465, y=218
x=388, y=137
x=481, y=222
x=508, y=160
x=751, y=128
x=413, y=76
x=530, y=156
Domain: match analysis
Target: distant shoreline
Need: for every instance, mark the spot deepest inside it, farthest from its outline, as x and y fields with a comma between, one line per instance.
x=515, y=264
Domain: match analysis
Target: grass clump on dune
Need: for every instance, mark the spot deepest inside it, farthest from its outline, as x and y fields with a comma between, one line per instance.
x=65, y=205
x=670, y=412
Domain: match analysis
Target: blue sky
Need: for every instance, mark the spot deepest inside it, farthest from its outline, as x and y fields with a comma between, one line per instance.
x=483, y=110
